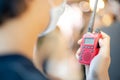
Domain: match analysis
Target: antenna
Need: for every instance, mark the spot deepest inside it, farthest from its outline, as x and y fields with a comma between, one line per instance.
x=92, y=19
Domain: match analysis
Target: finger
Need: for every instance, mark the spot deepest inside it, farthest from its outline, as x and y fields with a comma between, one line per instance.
x=79, y=42
x=78, y=53
x=100, y=42
x=87, y=69
x=104, y=35
x=105, y=40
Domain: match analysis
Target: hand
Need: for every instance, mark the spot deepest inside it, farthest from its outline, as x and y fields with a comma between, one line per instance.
x=98, y=69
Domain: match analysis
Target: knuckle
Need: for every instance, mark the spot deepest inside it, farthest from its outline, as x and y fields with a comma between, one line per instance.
x=106, y=57
x=108, y=36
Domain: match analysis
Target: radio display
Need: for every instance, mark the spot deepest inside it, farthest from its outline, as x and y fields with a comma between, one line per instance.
x=89, y=41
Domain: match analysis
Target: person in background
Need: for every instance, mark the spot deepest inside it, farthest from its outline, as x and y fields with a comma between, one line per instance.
x=56, y=47
x=21, y=21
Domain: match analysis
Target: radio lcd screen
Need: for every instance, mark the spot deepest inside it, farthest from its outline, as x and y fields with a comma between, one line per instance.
x=89, y=41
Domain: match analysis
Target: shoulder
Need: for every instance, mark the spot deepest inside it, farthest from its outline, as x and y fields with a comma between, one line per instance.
x=7, y=73
x=18, y=68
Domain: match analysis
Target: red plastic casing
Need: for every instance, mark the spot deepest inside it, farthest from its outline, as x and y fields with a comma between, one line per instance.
x=89, y=51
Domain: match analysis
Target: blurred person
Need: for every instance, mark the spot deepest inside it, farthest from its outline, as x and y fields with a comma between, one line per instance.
x=55, y=58
x=71, y=22
x=21, y=21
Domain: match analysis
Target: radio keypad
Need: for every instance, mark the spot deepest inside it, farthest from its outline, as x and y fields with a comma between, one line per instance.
x=86, y=52
x=90, y=49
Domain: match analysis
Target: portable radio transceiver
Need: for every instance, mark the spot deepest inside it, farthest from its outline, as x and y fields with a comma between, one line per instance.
x=89, y=46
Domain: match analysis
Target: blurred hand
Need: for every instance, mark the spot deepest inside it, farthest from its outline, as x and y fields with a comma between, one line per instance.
x=98, y=69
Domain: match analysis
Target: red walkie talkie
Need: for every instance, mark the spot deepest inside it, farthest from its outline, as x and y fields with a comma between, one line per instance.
x=89, y=46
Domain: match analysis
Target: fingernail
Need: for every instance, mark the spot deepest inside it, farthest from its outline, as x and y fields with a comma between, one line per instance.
x=77, y=56
x=100, y=41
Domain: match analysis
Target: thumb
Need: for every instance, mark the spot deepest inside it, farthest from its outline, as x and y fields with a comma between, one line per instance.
x=100, y=42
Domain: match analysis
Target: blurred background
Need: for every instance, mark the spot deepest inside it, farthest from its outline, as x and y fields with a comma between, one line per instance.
x=58, y=48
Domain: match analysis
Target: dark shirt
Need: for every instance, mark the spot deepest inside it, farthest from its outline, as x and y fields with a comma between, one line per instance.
x=114, y=32
x=16, y=67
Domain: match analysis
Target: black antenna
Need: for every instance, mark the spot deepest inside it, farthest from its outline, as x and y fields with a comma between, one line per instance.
x=92, y=19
